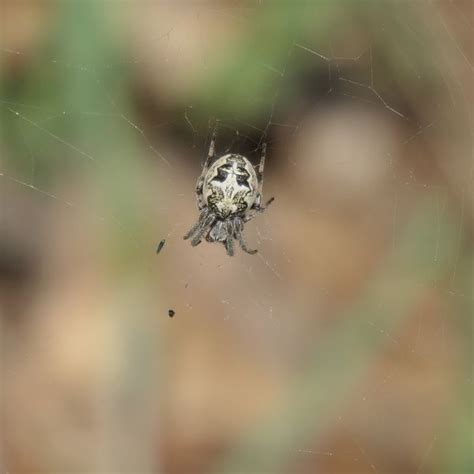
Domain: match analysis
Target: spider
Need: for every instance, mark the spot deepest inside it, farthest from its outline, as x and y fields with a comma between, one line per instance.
x=229, y=194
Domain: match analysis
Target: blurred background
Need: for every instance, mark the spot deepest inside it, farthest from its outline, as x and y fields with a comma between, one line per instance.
x=344, y=345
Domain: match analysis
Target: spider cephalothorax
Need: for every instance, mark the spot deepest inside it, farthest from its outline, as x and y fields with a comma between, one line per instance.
x=229, y=193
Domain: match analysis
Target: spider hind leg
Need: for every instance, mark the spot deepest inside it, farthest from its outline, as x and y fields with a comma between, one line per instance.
x=244, y=247
x=238, y=229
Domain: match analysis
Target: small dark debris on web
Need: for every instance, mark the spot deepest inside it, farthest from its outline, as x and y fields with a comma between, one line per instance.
x=160, y=246
x=171, y=313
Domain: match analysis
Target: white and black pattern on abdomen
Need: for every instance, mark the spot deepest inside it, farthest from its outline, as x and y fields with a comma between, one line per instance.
x=227, y=203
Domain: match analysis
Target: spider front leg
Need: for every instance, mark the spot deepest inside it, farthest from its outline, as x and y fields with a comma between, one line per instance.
x=197, y=231
x=201, y=203
x=207, y=222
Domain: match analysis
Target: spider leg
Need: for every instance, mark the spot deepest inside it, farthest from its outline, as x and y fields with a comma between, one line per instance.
x=261, y=167
x=268, y=203
x=211, y=152
x=201, y=204
x=210, y=157
x=243, y=245
x=229, y=246
x=197, y=238
x=257, y=209
x=229, y=241
x=207, y=221
x=212, y=145
x=260, y=170
x=238, y=228
x=198, y=224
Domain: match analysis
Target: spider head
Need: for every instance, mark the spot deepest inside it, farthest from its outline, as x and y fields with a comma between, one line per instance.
x=218, y=232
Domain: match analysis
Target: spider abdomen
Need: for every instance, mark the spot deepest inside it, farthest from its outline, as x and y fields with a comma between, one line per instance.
x=230, y=186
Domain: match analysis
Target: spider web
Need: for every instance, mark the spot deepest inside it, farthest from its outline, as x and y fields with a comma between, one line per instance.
x=370, y=162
